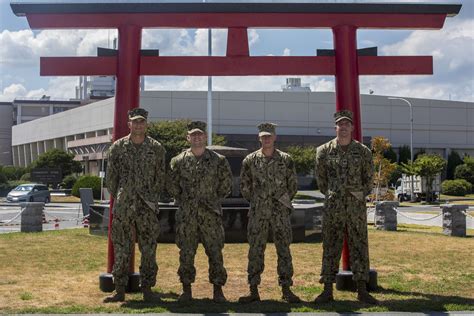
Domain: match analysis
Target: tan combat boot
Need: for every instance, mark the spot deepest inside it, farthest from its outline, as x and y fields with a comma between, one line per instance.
x=149, y=295
x=326, y=296
x=187, y=294
x=252, y=297
x=119, y=295
x=288, y=295
x=363, y=295
x=218, y=296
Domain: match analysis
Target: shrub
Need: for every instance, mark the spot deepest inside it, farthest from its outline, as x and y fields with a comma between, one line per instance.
x=87, y=181
x=465, y=172
x=26, y=177
x=458, y=187
x=69, y=181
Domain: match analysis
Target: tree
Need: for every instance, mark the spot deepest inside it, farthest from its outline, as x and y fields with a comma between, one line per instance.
x=3, y=178
x=304, y=158
x=429, y=166
x=466, y=170
x=454, y=160
x=383, y=167
x=57, y=158
x=420, y=152
x=390, y=154
x=172, y=135
x=404, y=154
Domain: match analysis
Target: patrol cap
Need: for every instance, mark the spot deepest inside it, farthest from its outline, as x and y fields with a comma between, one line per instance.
x=137, y=113
x=266, y=129
x=343, y=115
x=197, y=126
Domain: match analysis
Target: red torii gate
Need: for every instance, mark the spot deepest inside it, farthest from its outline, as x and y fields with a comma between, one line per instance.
x=130, y=18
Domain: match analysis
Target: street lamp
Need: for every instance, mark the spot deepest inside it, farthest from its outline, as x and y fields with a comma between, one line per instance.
x=412, y=195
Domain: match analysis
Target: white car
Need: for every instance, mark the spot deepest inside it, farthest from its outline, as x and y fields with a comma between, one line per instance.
x=31, y=192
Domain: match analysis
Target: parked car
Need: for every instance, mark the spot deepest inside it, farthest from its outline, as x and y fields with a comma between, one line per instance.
x=31, y=192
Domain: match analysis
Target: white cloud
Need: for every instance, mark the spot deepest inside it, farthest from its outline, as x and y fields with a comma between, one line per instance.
x=452, y=49
x=12, y=91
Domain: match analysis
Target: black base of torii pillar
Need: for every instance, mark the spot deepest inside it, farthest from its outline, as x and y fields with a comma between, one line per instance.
x=344, y=281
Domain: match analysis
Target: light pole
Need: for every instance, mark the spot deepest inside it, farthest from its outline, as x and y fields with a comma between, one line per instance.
x=412, y=195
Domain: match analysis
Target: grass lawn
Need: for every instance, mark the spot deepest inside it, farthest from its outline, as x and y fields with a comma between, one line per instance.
x=57, y=272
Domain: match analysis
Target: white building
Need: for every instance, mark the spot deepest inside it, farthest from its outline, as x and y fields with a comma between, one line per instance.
x=22, y=110
x=303, y=118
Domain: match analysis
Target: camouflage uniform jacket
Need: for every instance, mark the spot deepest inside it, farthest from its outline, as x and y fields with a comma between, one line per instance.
x=268, y=184
x=340, y=172
x=197, y=181
x=136, y=170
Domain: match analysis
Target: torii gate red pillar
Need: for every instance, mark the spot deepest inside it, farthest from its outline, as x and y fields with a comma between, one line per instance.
x=347, y=91
x=127, y=97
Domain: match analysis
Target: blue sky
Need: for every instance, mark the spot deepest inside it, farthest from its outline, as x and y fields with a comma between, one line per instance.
x=452, y=48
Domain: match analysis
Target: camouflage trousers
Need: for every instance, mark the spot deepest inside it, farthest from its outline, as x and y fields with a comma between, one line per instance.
x=194, y=224
x=340, y=214
x=257, y=234
x=129, y=219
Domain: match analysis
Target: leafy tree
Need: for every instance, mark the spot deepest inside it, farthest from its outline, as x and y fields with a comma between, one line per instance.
x=429, y=166
x=396, y=174
x=390, y=154
x=454, y=160
x=383, y=166
x=172, y=135
x=57, y=158
x=420, y=152
x=3, y=178
x=304, y=158
x=466, y=170
x=404, y=154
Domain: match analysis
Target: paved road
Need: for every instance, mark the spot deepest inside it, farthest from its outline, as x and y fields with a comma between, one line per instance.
x=69, y=215
x=66, y=215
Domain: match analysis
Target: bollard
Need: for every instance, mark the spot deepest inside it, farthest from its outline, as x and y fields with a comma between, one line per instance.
x=454, y=220
x=386, y=215
x=32, y=217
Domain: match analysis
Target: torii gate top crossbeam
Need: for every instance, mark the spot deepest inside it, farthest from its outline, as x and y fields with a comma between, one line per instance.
x=224, y=15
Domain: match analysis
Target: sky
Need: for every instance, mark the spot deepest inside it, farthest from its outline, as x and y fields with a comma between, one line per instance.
x=452, y=49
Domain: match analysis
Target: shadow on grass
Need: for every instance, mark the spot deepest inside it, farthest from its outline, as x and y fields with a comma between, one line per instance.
x=424, y=301
x=417, y=302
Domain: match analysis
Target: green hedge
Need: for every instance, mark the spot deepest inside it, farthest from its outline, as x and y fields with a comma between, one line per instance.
x=458, y=187
x=87, y=181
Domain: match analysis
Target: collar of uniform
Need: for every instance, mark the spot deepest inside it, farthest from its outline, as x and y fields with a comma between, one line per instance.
x=205, y=155
x=129, y=140
x=276, y=154
x=336, y=144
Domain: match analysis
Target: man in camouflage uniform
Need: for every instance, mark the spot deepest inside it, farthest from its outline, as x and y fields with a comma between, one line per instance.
x=135, y=178
x=344, y=171
x=199, y=179
x=268, y=182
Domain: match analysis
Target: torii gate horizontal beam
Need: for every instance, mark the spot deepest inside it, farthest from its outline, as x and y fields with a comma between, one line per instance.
x=224, y=15
x=225, y=20
x=236, y=66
